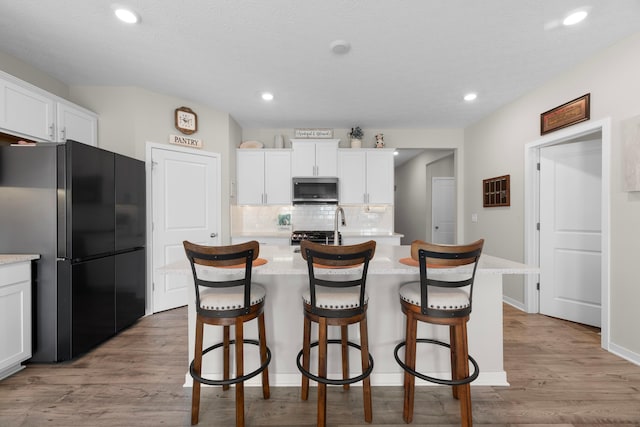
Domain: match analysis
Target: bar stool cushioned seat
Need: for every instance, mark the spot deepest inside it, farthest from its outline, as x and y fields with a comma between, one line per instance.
x=336, y=298
x=441, y=298
x=226, y=296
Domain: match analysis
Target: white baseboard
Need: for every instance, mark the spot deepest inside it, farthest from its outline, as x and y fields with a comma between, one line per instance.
x=625, y=353
x=514, y=303
x=382, y=380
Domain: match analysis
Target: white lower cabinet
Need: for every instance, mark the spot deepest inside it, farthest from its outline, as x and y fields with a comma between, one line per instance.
x=15, y=316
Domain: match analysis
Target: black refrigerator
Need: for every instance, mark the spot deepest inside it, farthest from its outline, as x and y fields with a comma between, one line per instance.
x=83, y=210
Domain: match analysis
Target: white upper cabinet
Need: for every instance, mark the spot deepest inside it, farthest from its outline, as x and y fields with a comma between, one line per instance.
x=76, y=123
x=314, y=157
x=263, y=177
x=30, y=112
x=26, y=112
x=366, y=176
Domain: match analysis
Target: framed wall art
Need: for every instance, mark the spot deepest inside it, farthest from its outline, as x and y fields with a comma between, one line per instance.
x=575, y=111
x=496, y=191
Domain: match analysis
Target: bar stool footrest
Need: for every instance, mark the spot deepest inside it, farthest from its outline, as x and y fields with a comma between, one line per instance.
x=442, y=381
x=230, y=381
x=330, y=381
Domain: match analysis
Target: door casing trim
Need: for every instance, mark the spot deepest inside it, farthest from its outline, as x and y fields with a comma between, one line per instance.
x=532, y=205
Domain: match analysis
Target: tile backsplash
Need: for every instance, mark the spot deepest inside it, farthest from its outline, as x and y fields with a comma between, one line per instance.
x=375, y=218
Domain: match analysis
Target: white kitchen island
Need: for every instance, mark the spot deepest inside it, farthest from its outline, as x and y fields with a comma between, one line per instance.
x=285, y=277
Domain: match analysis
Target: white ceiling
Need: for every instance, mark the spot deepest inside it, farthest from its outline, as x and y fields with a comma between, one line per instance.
x=410, y=63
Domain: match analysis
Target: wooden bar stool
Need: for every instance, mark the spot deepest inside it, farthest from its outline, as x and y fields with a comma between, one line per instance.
x=441, y=299
x=339, y=301
x=225, y=303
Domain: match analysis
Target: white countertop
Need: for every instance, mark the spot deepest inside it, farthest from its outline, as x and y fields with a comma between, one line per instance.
x=15, y=258
x=282, y=260
x=287, y=234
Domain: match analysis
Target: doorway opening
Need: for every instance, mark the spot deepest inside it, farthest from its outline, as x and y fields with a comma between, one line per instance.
x=413, y=193
x=536, y=199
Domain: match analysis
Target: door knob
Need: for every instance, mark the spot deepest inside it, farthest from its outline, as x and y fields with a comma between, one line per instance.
x=212, y=235
x=437, y=228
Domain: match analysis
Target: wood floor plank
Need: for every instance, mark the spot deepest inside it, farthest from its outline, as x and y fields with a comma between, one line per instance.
x=558, y=373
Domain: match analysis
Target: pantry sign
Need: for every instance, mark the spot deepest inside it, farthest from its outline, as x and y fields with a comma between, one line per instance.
x=185, y=141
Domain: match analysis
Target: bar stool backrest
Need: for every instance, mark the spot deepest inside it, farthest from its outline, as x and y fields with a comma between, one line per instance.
x=333, y=256
x=240, y=255
x=431, y=256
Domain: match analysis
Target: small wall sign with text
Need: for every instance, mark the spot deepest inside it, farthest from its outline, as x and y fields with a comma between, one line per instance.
x=185, y=140
x=313, y=133
x=568, y=114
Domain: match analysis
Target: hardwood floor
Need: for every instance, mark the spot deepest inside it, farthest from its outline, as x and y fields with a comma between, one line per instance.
x=558, y=373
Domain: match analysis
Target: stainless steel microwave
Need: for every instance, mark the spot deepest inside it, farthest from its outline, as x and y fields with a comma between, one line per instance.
x=315, y=190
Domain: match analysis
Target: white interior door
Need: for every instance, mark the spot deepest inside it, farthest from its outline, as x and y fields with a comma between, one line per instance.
x=443, y=210
x=570, y=231
x=185, y=190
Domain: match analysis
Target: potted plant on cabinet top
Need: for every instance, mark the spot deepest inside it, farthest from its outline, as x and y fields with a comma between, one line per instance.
x=356, y=135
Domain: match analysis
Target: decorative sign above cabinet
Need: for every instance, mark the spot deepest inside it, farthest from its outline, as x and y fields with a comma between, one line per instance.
x=313, y=133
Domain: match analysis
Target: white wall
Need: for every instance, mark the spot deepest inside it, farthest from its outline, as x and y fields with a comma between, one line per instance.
x=494, y=146
x=130, y=116
x=26, y=72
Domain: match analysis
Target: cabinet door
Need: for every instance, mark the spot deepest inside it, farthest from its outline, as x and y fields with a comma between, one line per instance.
x=76, y=124
x=327, y=158
x=250, y=176
x=131, y=207
x=93, y=303
x=26, y=112
x=129, y=288
x=303, y=159
x=380, y=176
x=352, y=175
x=15, y=314
x=277, y=177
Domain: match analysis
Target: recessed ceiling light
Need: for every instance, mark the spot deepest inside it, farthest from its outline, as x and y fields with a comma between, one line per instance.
x=126, y=15
x=395, y=153
x=470, y=96
x=340, y=47
x=575, y=17
x=267, y=96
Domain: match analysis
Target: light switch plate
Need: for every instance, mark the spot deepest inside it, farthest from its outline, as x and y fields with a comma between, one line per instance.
x=474, y=217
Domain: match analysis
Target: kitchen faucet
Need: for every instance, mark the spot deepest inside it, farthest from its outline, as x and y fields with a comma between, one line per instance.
x=336, y=235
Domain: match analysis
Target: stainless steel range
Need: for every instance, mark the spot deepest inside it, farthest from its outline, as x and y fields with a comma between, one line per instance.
x=317, y=236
